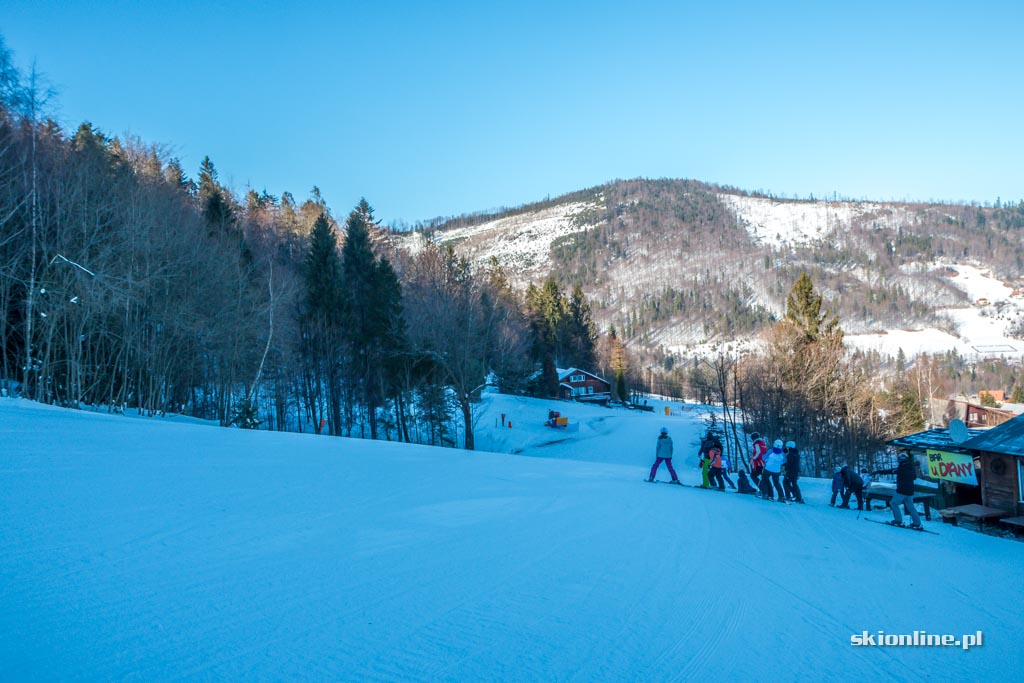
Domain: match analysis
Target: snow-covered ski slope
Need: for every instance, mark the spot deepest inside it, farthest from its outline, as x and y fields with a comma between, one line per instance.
x=151, y=550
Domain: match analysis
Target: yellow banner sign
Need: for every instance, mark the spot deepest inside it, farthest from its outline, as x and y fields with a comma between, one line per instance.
x=952, y=467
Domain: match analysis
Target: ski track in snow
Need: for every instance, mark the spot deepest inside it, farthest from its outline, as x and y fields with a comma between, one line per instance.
x=141, y=549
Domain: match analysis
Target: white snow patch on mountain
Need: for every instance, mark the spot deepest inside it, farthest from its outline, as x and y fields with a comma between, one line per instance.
x=788, y=223
x=982, y=328
x=979, y=284
x=522, y=243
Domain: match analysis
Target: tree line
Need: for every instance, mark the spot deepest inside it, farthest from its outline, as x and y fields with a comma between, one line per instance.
x=127, y=284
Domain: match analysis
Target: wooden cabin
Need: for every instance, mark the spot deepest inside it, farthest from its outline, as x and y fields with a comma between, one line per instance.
x=580, y=385
x=976, y=415
x=1000, y=451
x=950, y=493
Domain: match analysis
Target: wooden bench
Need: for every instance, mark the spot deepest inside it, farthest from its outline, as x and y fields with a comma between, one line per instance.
x=886, y=495
x=1015, y=523
x=974, y=512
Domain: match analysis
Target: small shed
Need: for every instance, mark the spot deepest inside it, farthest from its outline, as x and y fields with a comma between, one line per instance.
x=1001, y=469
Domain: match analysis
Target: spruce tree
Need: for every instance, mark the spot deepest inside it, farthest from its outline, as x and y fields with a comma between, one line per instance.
x=322, y=316
x=213, y=202
x=803, y=307
x=617, y=351
x=372, y=313
x=323, y=273
x=582, y=331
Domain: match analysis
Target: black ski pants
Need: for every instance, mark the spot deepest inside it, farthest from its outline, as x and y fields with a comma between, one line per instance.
x=769, y=479
x=792, y=488
x=857, y=492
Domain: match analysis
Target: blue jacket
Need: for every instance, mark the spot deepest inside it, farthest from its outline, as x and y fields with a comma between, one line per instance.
x=664, y=449
x=837, y=483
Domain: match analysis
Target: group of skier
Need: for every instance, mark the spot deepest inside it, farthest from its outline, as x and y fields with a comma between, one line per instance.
x=782, y=460
x=848, y=482
x=766, y=467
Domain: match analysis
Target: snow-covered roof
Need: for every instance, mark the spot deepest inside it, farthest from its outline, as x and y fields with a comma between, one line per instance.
x=562, y=374
x=1006, y=438
x=937, y=439
x=1015, y=408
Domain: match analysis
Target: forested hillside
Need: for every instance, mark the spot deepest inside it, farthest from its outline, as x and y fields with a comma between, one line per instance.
x=677, y=262
x=126, y=284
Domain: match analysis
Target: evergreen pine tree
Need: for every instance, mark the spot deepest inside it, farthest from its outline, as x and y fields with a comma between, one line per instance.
x=372, y=310
x=803, y=307
x=618, y=361
x=582, y=331
x=322, y=316
x=213, y=202
x=323, y=273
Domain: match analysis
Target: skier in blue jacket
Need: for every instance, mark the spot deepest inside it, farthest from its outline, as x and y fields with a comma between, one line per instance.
x=838, y=484
x=663, y=453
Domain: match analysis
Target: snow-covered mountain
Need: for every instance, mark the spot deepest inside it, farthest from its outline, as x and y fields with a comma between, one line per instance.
x=686, y=265
x=156, y=550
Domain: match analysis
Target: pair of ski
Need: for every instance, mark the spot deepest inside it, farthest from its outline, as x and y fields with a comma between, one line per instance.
x=679, y=483
x=675, y=483
x=901, y=526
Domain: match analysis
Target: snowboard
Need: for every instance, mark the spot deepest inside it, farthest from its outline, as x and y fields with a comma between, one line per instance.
x=909, y=528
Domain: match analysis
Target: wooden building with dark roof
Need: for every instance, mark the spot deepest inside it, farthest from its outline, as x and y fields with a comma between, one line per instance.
x=1000, y=452
x=939, y=439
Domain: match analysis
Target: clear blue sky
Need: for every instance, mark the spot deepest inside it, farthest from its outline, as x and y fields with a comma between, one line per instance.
x=448, y=107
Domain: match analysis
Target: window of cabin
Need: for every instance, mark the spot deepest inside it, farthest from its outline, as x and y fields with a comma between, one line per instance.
x=577, y=378
x=590, y=389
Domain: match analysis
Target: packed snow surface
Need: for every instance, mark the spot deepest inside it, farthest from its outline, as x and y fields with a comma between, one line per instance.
x=155, y=550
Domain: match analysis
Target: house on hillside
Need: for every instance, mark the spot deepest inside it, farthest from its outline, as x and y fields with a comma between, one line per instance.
x=1001, y=469
x=583, y=386
x=975, y=415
